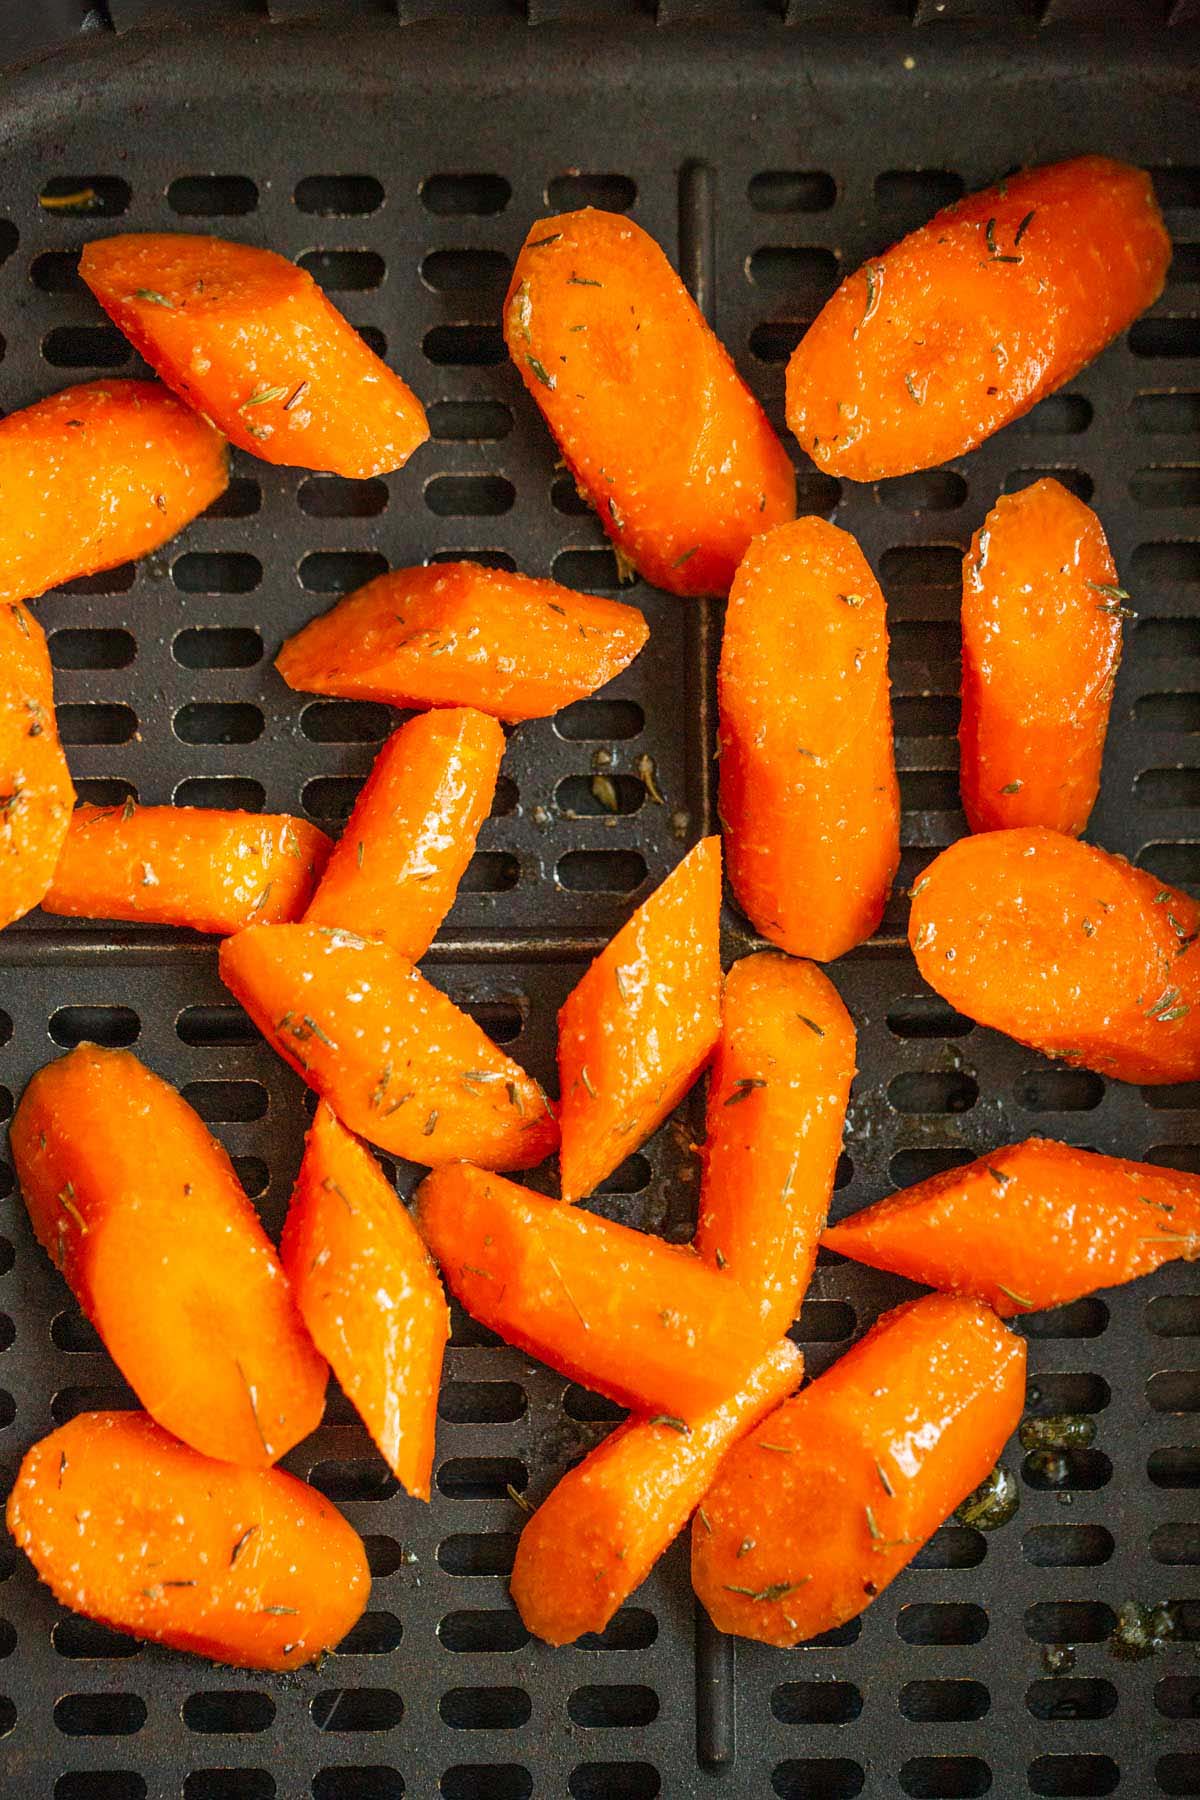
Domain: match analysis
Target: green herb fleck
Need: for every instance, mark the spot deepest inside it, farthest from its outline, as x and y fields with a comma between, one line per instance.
x=540, y=243
x=743, y=1089
x=538, y=369
x=241, y=1544
x=264, y=396
x=778, y=1591
x=679, y=1425
x=153, y=298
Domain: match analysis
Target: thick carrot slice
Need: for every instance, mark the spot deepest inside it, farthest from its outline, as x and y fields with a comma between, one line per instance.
x=1030, y=1226
x=635, y=1032
x=602, y=1529
x=396, y=1060
x=658, y=428
x=140, y=1209
x=1066, y=948
x=98, y=475
x=968, y=322
x=776, y=1108
x=809, y=798
x=1041, y=626
x=645, y=1322
x=407, y=844
x=835, y=1492
x=247, y=1566
x=187, y=865
x=457, y=634
x=36, y=795
x=250, y=340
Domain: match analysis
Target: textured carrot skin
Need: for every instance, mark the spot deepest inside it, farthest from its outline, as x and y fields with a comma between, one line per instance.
x=1030, y=1226
x=187, y=865
x=407, y=844
x=601, y=1530
x=777, y=1097
x=1065, y=948
x=457, y=634
x=251, y=342
x=645, y=1322
x=369, y=1295
x=809, y=798
x=396, y=1060
x=246, y=1566
x=97, y=475
x=967, y=323
x=656, y=425
x=141, y=1211
x=636, y=1030
x=836, y=1491
x=1041, y=631
x=36, y=794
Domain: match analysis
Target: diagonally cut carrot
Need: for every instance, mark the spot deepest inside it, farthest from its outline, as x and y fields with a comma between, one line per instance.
x=36, y=795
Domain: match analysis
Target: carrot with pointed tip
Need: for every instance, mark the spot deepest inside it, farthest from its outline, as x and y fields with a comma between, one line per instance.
x=36, y=795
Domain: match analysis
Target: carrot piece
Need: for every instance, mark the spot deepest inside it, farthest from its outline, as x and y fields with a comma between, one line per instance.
x=140, y=1209
x=824, y=1503
x=601, y=1530
x=809, y=797
x=97, y=475
x=636, y=1030
x=457, y=634
x=1030, y=1226
x=186, y=865
x=250, y=340
x=246, y=1566
x=1041, y=628
x=396, y=1060
x=407, y=844
x=658, y=428
x=776, y=1108
x=368, y=1293
x=645, y=1322
x=966, y=323
x=1065, y=948
x=36, y=795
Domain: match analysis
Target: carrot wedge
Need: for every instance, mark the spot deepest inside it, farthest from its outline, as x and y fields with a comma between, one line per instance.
x=777, y=1097
x=368, y=1293
x=826, y=1501
x=809, y=798
x=601, y=1530
x=637, y=1319
x=97, y=475
x=457, y=634
x=965, y=324
x=1065, y=948
x=141, y=1211
x=251, y=342
x=635, y=1032
x=186, y=865
x=1030, y=1226
x=396, y=1060
x=406, y=846
x=127, y=1526
x=36, y=795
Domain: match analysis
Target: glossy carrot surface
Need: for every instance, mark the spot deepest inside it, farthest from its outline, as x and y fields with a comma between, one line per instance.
x=36, y=794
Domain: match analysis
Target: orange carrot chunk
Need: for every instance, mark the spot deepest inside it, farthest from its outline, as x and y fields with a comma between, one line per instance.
x=140, y=1209
x=809, y=798
x=36, y=795
x=250, y=341
x=1065, y=948
x=457, y=634
x=396, y=1060
x=406, y=847
x=369, y=1295
x=1030, y=1226
x=604, y=1526
x=637, y=1319
x=98, y=475
x=186, y=865
x=658, y=428
x=824, y=1503
x=637, y=1029
x=127, y=1526
x=1041, y=627
x=965, y=324
x=777, y=1097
